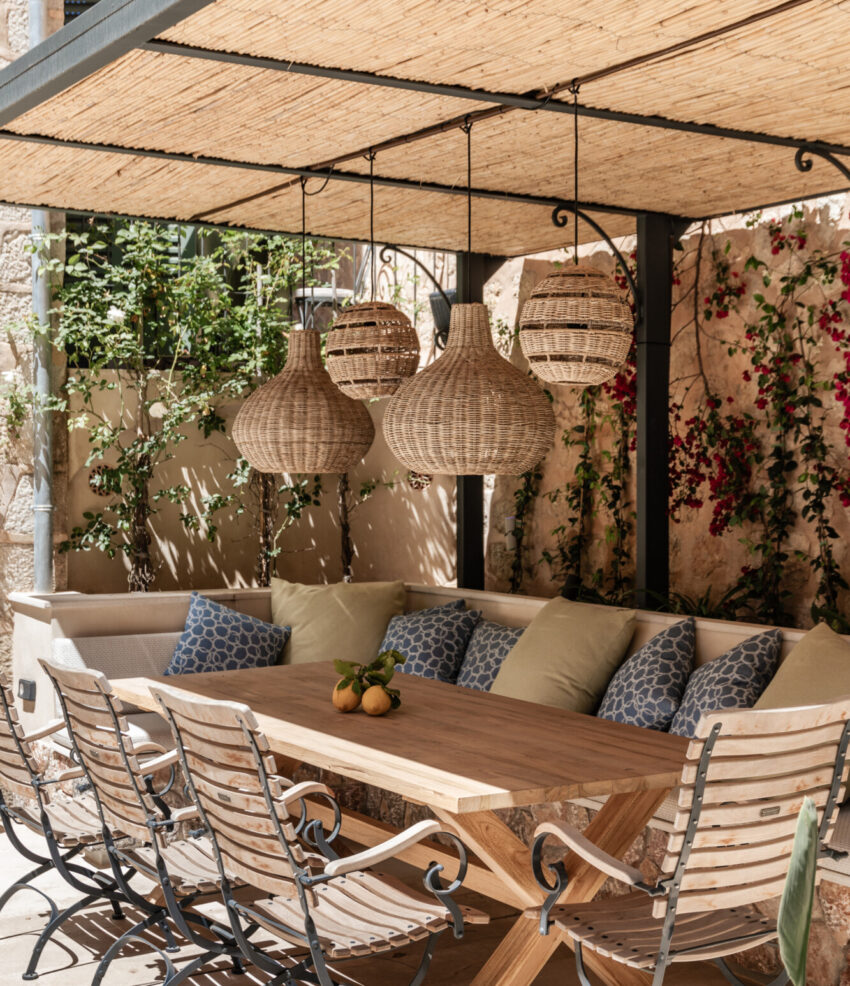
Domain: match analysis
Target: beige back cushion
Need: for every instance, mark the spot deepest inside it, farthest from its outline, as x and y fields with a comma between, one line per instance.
x=346, y=620
x=567, y=655
x=816, y=671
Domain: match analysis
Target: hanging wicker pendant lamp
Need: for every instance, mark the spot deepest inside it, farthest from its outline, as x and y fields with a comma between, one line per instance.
x=470, y=412
x=575, y=328
x=299, y=421
x=372, y=346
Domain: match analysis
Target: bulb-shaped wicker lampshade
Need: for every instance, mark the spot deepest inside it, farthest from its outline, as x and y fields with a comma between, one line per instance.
x=575, y=328
x=299, y=421
x=371, y=348
x=470, y=412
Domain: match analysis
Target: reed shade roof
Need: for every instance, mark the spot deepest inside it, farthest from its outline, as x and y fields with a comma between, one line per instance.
x=575, y=328
x=299, y=421
x=783, y=75
x=371, y=348
x=471, y=412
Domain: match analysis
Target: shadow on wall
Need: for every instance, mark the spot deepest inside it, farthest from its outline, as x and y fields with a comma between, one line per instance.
x=399, y=533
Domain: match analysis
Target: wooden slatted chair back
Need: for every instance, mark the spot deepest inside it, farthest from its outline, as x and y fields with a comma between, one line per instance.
x=18, y=768
x=101, y=738
x=232, y=773
x=734, y=828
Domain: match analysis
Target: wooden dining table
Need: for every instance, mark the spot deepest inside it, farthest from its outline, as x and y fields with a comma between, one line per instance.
x=465, y=754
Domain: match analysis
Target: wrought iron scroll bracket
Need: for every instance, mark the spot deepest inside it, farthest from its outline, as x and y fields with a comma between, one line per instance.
x=803, y=160
x=389, y=248
x=560, y=218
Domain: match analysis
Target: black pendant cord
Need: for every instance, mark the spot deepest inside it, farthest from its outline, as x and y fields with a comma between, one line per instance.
x=371, y=156
x=304, y=194
x=304, y=243
x=467, y=129
x=574, y=88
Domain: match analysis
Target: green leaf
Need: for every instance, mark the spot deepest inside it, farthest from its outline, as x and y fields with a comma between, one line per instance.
x=795, y=908
x=345, y=668
x=343, y=683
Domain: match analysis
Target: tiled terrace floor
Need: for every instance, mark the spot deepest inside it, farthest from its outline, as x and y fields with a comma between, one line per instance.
x=70, y=959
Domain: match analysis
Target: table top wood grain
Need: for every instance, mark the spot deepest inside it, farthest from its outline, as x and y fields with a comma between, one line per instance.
x=448, y=747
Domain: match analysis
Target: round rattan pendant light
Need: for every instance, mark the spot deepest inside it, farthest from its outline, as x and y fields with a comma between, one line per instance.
x=299, y=421
x=471, y=412
x=575, y=328
x=372, y=346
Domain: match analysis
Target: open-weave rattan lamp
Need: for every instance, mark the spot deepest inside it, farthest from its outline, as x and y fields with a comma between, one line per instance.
x=371, y=348
x=299, y=421
x=470, y=412
x=575, y=328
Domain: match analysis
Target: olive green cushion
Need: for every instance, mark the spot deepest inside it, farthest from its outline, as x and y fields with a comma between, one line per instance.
x=346, y=620
x=567, y=655
x=816, y=670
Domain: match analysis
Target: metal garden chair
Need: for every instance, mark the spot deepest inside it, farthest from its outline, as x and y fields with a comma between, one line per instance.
x=742, y=787
x=321, y=907
x=128, y=807
x=67, y=826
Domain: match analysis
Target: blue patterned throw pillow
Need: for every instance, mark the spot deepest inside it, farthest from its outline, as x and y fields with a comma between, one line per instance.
x=647, y=689
x=432, y=641
x=488, y=646
x=216, y=638
x=733, y=681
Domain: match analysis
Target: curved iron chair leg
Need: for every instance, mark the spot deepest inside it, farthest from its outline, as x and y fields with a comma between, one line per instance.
x=191, y=968
x=580, y=969
x=170, y=944
x=17, y=887
x=47, y=932
x=133, y=934
x=24, y=884
x=425, y=962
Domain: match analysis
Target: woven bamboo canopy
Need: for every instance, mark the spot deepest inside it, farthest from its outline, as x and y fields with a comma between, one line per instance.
x=194, y=110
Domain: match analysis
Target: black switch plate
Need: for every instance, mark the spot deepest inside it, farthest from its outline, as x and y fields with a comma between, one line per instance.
x=26, y=690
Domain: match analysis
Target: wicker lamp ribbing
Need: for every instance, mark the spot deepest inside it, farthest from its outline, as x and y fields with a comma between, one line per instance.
x=470, y=412
x=371, y=348
x=299, y=421
x=575, y=328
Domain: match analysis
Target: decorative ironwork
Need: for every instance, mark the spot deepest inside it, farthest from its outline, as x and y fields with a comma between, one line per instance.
x=440, y=338
x=560, y=218
x=804, y=163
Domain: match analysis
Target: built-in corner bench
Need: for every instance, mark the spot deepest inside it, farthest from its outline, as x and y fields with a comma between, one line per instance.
x=127, y=636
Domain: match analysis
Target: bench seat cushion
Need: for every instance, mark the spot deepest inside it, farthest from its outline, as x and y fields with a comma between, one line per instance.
x=733, y=681
x=217, y=638
x=346, y=620
x=648, y=688
x=816, y=670
x=567, y=655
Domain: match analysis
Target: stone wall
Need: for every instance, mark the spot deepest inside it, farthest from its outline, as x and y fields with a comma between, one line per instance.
x=699, y=562
x=16, y=517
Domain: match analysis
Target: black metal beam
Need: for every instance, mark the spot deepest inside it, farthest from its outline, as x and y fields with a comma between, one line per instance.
x=524, y=101
x=656, y=236
x=279, y=169
x=473, y=272
x=91, y=41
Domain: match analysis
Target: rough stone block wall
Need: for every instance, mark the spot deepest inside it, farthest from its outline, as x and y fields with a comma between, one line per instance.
x=16, y=517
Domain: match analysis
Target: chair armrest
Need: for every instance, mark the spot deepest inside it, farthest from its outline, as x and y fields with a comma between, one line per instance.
x=384, y=850
x=166, y=760
x=48, y=730
x=187, y=814
x=304, y=790
x=70, y=774
x=578, y=843
x=141, y=748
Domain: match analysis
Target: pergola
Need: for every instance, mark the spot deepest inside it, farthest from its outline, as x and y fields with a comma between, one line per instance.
x=211, y=111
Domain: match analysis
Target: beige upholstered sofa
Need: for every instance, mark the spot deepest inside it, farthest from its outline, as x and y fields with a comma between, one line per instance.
x=127, y=635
